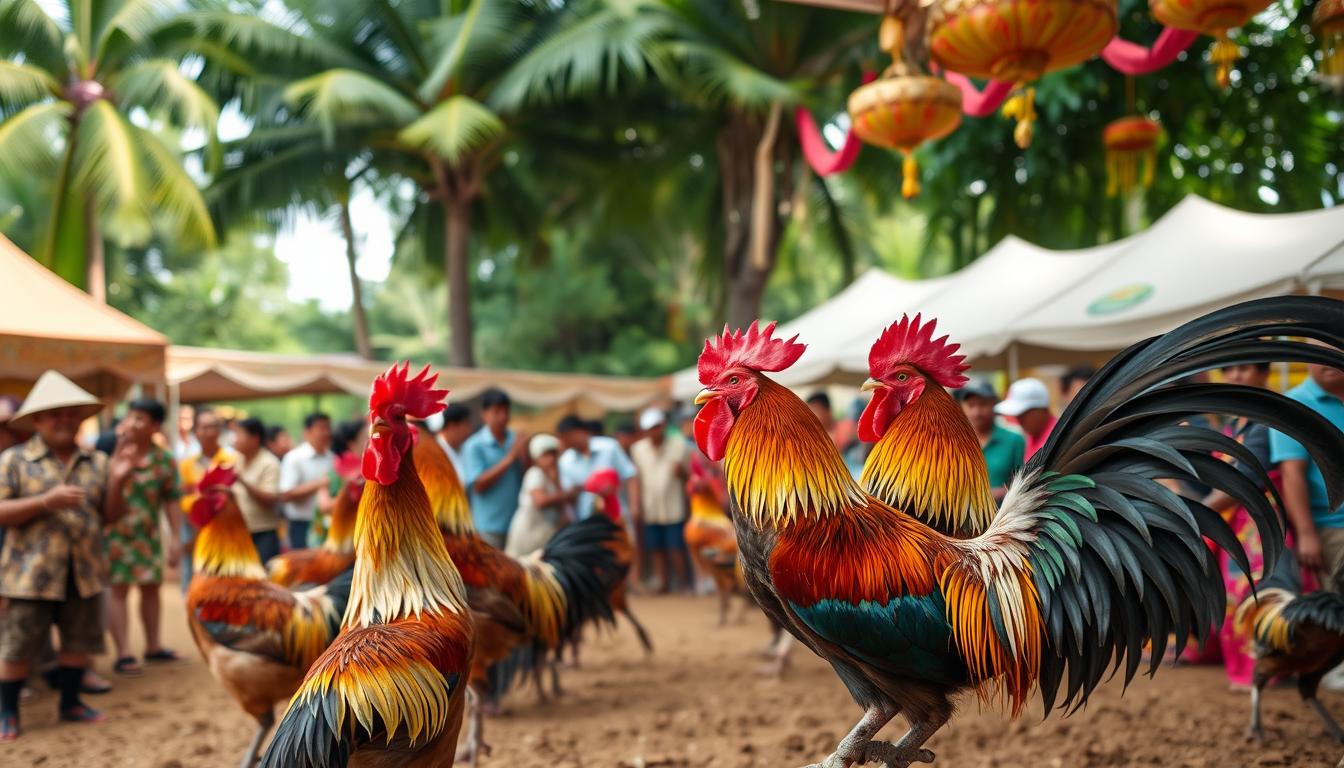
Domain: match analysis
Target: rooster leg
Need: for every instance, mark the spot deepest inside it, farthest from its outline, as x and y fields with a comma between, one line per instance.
x=264, y=725
x=556, y=690
x=1307, y=686
x=471, y=751
x=909, y=749
x=852, y=748
x=1253, y=731
x=724, y=599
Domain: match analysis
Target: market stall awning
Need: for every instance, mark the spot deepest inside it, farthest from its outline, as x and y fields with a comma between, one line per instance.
x=205, y=375
x=47, y=323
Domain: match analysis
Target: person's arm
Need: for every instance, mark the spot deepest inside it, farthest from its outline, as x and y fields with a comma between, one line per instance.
x=119, y=468
x=486, y=479
x=172, y=510
x=1297, y=503
x=625, y=469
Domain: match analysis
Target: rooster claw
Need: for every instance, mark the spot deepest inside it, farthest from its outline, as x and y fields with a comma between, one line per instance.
x=890, y=755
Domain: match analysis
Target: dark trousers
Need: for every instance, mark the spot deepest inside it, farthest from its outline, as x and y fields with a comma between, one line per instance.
x=298, y=533
x=267, y=544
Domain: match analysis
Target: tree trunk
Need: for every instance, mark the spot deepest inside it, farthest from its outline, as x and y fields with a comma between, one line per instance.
x=357, y=314
x=456, y=188
x=95, y=265
x=745, y=278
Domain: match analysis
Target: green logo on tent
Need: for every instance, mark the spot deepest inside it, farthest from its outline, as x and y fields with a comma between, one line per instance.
x=1120, y=299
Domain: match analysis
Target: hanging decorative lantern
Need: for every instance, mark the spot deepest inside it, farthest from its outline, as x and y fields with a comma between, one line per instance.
x=903, y=109
x=1214, y=18
x=1017, y=41
x=1131, y=153
x=1328, y=19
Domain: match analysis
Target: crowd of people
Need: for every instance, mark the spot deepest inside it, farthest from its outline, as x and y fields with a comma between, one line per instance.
x=83, y=526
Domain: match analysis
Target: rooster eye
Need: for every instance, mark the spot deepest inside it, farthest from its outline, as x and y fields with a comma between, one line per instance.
x=733, y=381
x=902, y=376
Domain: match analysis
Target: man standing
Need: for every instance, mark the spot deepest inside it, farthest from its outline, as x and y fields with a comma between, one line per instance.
x=586, y=453
x=278, y=441
x=190, y=471
x=493, y=459
x=134, y=546
x=303, y=472
x=1004, y=449
x=1072, y=382
x=453, y=434
x=54, y=499
x=662, y=471
x=185, y=444
x=258, y=488
x=1028, y=402
x=1319, y=529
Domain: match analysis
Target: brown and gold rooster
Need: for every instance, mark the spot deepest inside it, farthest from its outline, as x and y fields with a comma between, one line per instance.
x=318, y=565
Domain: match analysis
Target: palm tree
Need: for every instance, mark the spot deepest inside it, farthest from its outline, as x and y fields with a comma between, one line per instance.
x=741, y=64
x=437, y=97
x=82, y=91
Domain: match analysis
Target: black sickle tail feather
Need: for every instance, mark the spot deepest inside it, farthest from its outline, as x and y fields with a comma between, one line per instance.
x=1120, y=559
x=587, y=569
x=304, y=738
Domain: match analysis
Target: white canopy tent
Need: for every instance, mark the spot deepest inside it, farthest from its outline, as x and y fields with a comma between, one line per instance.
x=1023, y=305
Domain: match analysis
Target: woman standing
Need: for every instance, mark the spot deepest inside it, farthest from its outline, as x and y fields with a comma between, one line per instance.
x=134, y=542
x=542, y=505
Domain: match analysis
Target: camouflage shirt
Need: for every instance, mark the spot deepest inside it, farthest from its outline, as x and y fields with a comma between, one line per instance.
x=38, y=554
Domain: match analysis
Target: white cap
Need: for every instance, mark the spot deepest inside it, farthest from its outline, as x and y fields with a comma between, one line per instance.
x=652, y=417
x=1024, y=395
x=541, y=444
x=434, y=422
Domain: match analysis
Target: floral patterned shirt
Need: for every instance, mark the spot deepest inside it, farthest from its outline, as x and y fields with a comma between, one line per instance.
x=37, y=555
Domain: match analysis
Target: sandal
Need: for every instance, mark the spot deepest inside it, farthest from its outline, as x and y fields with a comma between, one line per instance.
x=161, y=655
x=9, y=728
x=94, y=683
x=82, y=714
x=127, y=666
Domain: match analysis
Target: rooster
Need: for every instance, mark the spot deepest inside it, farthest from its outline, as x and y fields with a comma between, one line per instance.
x=1089, y=560
x=605, y=484
x=390, y=690
x=257, y=638
x=710, y=536
x=300, y=567
x=1295, y=634
x=926, y=459
x=525, y=609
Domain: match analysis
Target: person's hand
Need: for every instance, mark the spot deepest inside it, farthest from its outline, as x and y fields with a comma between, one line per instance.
x=520, y=440
x=174, y=552
x=63, y=497
x=1309, y=551
x=124, y=458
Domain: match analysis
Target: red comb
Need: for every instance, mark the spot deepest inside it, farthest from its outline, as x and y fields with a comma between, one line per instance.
x=417, y=395
x=221, y=476
x=347, y=465
x=756, y=349
x=908, y=342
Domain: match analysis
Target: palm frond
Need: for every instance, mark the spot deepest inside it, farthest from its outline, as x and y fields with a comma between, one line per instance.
x=26, y=28
x=157, y=85
x=454, y=128
x=485, y=27
x=339, y=96
x=131, y=25
x=23, y=84
x=29, y=139
x=109, y=168
x=718, y=76
x=177, y=200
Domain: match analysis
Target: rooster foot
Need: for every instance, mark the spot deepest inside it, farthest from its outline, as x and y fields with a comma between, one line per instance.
x=890, y=755
x=473, y=750
x=1255, y=735
x=836, y=760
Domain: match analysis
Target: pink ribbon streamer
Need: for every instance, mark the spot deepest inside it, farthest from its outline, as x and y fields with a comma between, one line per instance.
x=1134, y=59
x=818, y=153
x=975, y=102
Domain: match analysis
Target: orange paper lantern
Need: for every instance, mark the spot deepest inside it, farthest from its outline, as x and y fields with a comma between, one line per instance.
x=1017, y=41
x=902, y=110
x=1131, y=153
x=1214, y=18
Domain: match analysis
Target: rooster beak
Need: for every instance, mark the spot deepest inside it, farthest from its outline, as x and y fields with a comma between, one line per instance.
x=705, y=396
x=870, y=385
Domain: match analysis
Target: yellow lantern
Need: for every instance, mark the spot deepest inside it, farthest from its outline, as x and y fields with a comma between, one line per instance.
x=1214, y=18
x=1017, y=41
x=901, y=109
x=1328, y=19
x=1131, y=153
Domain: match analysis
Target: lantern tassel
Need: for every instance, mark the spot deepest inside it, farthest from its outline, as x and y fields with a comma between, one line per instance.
x=1224, y=55
x=1022, y=106
x=909, y=176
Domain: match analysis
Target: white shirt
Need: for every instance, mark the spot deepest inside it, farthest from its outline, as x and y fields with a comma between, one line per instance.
x=661, y=486
x=302, y=465
x=453, y=456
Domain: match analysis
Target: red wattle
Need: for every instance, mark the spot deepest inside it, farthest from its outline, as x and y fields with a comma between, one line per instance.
x=712, y=425
x=878, y=415
x=382, y=458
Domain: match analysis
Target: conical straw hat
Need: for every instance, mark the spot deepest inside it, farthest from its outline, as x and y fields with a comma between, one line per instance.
x=53, y=391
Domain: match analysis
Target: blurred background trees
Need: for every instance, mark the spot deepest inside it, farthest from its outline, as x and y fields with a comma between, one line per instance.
x=584, y=185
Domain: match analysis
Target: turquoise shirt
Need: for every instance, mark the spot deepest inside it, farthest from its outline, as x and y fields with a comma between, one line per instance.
x=1285, y=448
x=493, y=509
x=1003, y=454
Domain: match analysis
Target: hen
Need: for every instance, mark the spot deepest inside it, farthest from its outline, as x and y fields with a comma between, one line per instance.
x=390, y=691
x=1089, y=560
x=258, y=638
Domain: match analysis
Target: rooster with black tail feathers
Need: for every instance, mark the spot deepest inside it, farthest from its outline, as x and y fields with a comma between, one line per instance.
x=1089, y=560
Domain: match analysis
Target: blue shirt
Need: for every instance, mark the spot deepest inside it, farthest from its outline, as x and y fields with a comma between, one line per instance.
x=603, y=453
x=492, y=509
x=1285, y=448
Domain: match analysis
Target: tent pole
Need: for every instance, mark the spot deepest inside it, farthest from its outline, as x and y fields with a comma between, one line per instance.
x=1012, y=363
x=174, y=405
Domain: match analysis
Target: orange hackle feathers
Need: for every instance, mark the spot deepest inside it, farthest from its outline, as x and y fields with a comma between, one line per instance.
x=1013, y=665
x=446, y=493
x=910, y=342
x=756, y=348
x=224, y=547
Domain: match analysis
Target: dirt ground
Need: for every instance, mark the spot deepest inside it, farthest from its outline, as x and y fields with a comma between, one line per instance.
x=699, y=701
